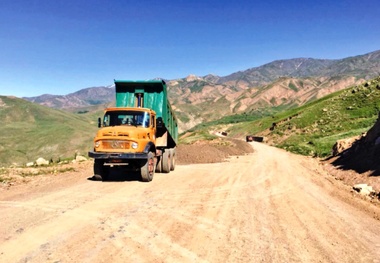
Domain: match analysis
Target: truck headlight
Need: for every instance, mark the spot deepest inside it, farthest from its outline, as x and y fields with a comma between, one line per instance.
x=134, y=145
x=97, y=144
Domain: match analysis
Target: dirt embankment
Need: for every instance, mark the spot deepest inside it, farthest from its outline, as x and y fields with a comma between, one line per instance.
x=359, y=162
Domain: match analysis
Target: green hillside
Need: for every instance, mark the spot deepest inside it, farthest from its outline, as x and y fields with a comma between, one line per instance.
x=29, y=131
x=314, y=128
x=311, y=129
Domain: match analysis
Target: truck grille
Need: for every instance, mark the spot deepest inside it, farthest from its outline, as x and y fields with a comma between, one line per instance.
x=115, y=144
x=113, y=133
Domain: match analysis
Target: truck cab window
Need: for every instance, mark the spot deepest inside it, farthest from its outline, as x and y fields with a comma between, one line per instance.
x=146, y=120
x=134, y=118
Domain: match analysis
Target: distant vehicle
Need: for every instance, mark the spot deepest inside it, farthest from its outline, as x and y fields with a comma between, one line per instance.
x=251, y=138
x=140, y=133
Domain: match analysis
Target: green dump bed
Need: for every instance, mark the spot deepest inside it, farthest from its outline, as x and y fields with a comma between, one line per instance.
x=155, y=97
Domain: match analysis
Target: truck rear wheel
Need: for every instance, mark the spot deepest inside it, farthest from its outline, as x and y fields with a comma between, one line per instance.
x=159, y=164
x=147, y=170
x=166, y=161
x=172, y=159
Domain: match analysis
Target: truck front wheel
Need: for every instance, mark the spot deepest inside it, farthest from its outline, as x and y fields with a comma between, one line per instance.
x=147, y=170
x=100, y=171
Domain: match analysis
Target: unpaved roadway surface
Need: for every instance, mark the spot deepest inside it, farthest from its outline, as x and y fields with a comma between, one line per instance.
x=268, y=206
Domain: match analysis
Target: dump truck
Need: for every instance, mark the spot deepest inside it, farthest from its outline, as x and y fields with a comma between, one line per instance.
x=140, y=133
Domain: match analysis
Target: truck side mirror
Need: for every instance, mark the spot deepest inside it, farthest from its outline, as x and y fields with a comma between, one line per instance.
x=99, y=122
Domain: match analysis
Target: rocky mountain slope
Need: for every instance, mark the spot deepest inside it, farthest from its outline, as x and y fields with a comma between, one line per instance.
x=362, y=66
x=279, y=84
x=82, y=98
x=199, y=101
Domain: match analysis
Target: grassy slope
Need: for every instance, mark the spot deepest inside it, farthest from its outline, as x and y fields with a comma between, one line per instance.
x=313, y=128
x=29, y=131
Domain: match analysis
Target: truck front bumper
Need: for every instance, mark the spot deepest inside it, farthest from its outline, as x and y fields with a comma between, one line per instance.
x=117, y=156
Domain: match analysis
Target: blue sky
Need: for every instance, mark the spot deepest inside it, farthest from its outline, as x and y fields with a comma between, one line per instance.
x=59, y=47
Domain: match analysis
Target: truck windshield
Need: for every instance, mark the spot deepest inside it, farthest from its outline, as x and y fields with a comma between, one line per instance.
x=135, y=118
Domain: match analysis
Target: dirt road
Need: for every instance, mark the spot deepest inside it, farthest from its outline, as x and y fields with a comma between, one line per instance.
x=268, y=206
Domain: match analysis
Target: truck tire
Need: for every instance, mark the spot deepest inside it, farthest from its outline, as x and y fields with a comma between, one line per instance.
x=147, y=170
x=159, y=164
x=172, y=159
x=166, y=161
x=100, y=171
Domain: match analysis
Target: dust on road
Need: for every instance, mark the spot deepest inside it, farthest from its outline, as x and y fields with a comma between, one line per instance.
x=267, y=206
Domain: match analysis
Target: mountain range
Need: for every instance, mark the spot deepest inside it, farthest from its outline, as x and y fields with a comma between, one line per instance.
x=275, y=86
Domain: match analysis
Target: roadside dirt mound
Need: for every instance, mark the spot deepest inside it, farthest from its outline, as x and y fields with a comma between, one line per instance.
x=214, y=151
